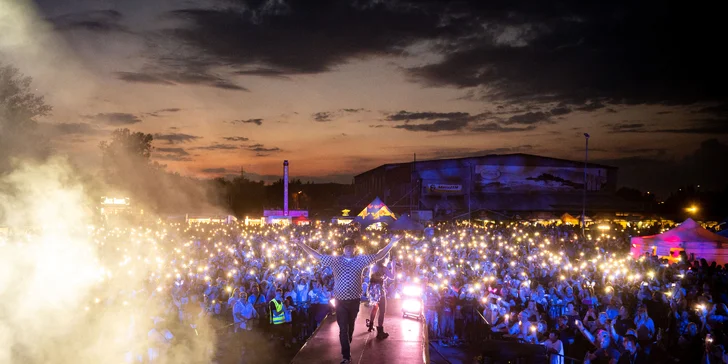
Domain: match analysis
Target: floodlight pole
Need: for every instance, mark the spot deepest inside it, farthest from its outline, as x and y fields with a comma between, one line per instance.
x=470, y=191
x=583, y=203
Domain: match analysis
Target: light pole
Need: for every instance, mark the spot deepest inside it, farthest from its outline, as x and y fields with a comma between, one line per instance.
x=583, y=202
x=470, y=191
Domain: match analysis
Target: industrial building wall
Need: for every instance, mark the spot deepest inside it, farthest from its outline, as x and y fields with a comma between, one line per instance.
x=508, y=182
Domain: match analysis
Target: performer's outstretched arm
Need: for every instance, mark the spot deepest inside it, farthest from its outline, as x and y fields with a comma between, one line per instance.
x=308, y=249
x=383, y=253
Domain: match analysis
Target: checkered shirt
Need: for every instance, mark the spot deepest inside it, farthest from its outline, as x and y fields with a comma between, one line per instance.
x=347, y=274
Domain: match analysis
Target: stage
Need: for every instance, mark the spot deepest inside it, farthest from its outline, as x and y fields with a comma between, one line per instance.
x=407, y=341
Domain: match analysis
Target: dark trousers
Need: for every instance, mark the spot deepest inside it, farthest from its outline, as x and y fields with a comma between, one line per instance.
x=346, y=312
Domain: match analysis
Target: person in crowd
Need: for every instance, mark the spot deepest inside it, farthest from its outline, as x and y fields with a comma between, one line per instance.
x=645, y=326
x=606, y=350
x=632, y=353
x=277, y=310
x=624, y=322
x=555, y=348
x=259, y=302
x=671, y=306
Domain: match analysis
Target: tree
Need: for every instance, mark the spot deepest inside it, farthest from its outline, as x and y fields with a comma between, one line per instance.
x=127, y=144
x=19, y=106
x=19, y=110
x=126, y=156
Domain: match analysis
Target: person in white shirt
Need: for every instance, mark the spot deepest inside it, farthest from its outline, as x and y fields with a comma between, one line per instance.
x=555, y=348
x=233, y=298
x=302, y=293
x=243, y=312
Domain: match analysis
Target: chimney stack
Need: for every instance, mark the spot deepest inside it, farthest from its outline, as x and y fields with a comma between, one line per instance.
x=285, y=188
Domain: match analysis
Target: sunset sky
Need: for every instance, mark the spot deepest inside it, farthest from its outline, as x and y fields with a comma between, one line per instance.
x=339, y=87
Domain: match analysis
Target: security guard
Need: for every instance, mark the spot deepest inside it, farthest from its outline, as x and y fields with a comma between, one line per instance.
x=276, y=308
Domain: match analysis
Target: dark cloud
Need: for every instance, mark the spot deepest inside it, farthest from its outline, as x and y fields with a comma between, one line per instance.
x=497, y=128
x=260, y=148
x=143, y=78
x=115, y=118
x=436, y=126
x=706, y=126
x=179, y=151
x=214, y=170
x=462, y=121
x=528, y=118
x=174, y=138
x=189, y=77
x=559, y=52
x=171, y=154
x=302, y=37
x=72, y=129
x=524, y=52
x=719, y=127
x=101, y=21
x=558, y=111
x=719, y=110
x=158, y=113
x=593, y=106
x=264, y=72
x=236, y=139
x=218, y=147
x=322, y=116
x=345, y=178
x=248, y=121
x=325, y=116
x=627, y=128
x=410, y=116
x=472, y=152
x=432, y=121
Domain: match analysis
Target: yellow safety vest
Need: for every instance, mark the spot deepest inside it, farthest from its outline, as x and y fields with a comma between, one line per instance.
x=278, y=317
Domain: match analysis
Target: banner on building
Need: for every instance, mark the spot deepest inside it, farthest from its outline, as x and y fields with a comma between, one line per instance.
x=439, y=188
x=502, y=178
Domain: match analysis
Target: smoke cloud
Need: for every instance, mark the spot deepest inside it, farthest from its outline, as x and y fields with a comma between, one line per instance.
x=68, y=294
x=70, y=290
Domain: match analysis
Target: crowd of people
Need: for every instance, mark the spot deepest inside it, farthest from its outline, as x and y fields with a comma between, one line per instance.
x=583, y=297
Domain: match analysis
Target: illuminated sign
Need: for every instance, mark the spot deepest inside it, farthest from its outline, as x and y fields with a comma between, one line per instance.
x=115, y=201
x=291, y=213
x=444, y=188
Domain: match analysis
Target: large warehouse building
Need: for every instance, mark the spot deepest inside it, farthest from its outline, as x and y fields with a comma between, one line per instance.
x=510, y=183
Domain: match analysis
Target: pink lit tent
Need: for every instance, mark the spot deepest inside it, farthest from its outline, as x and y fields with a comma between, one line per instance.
x=688, y=236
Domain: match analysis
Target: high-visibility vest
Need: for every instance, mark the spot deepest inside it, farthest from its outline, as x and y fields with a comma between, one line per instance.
x=277, y=317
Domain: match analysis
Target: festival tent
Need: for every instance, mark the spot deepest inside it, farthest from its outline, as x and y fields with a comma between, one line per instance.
x=375, y=212
x=688, y=236
x=301, y=220
x=406, y=223
x=568, y=219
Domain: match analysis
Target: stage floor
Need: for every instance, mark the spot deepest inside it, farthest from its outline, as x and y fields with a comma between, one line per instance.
x=407, y=341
